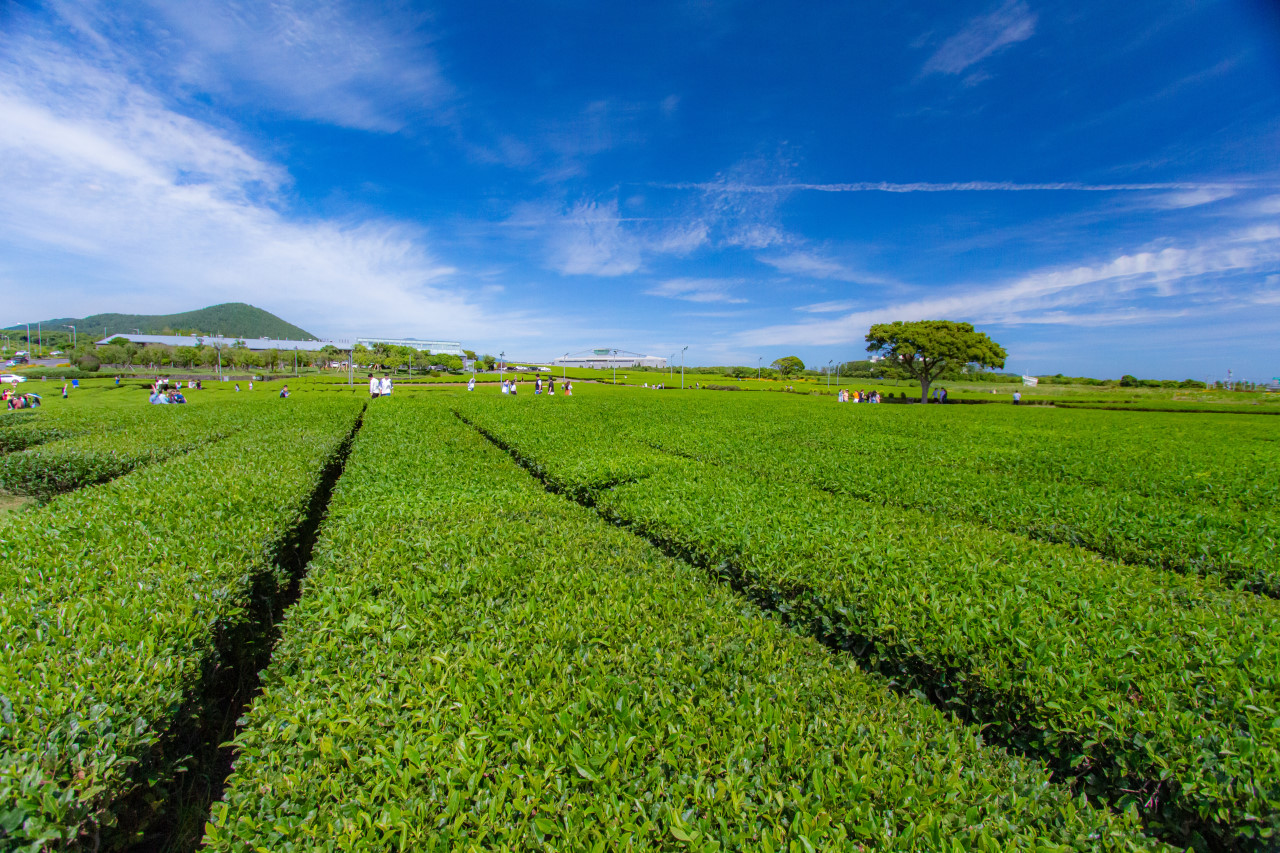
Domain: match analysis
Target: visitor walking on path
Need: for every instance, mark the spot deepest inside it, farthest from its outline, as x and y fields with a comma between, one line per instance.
x=386, y=385
x=375, y=387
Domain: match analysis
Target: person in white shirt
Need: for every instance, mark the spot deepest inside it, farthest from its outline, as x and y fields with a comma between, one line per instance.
x=375, y=387
x=471, y=384
x=386, y=386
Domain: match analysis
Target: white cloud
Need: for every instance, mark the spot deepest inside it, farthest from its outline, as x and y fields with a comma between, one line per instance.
x=697, y=290
x=588, y=239
x=113, y=202
x=346, y=64
x=747, y=187
x=826, y=307
x=979, y=38
x=808, y=264
x=1125, y=290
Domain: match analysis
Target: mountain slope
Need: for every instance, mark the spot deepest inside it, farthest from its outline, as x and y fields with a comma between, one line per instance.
x=230, y=319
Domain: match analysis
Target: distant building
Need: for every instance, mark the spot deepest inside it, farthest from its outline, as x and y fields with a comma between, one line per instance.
x=607, y=358
x=259, y=344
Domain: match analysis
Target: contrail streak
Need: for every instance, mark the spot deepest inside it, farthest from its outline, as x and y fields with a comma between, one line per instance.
x=962, y=186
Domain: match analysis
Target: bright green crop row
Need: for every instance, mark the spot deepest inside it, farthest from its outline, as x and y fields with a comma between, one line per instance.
x=1143, y=681
x=1171, y=495
x=475, y=664
x=112, y=600
x=153, y=434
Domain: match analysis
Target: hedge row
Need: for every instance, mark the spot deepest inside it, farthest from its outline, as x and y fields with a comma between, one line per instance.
x=1089, y=480
x=112, y=600
x=476, y=664
x=152, y=435
x=1163, y=686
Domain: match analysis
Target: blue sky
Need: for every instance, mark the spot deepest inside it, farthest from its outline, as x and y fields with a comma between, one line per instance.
x=1095, y=185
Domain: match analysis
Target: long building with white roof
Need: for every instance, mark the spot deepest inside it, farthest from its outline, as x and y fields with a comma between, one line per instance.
x=435, y=347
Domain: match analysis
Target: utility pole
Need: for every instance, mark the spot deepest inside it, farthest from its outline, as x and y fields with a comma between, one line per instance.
x=502, y=363
x=615, y=367
x=73, y=335
x=682, y=367
x=829, y=363
x=759, y=367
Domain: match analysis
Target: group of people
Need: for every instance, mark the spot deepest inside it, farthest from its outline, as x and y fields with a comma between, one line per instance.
x=160, y=398
x=14, y=400
x=847, y=396
x=938, y=395
x=379, y=386
x=510, y=386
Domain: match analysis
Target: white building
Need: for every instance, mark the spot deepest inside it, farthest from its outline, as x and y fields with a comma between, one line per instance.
x=607, y=358
x=259, y=344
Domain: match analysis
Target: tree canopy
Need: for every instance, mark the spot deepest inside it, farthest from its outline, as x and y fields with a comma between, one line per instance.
x=787, y=365
x=925, y=349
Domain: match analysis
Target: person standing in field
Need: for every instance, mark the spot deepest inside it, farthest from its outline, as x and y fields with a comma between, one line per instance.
x=1017, y=397
x=386, y=385
x=250, y=384
x=64, y=390
x=471, y=384
x=568, y=388
x=375, y=387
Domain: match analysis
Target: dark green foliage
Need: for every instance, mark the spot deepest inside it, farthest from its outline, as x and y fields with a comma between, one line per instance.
x=230, y=319
x=112, y=602
x=1159, y=691
x=476, y=664
x=927, y=350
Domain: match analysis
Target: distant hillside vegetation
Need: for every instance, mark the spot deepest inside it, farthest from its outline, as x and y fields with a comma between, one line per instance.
x=230, y=319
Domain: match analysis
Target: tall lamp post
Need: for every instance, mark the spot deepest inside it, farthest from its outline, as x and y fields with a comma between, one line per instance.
x=615, y=367
x=759, y=367
x=73, y=335
x=829, y=364
x=682, y=367
x=563, y=365
x=502, y=362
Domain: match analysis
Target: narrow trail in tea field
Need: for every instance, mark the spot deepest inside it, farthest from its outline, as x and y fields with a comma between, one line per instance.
x=172, y=820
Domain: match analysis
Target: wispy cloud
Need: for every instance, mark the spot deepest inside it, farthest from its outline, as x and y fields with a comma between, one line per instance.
x=117, y=203
x=809, y=264
x=729, y=187
x=1127, y=289
x=586, y=239
x=337, y=62
x=826, y=307
x=697, y=290
x=981, y=37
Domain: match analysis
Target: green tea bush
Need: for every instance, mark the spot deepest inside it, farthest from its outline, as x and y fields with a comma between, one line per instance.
x=112, y=603
x=476, y=664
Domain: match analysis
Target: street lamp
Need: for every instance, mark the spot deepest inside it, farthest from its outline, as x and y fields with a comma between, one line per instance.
x=829, y=364
x=502, y=362
x=615, y=367
x=73, y=335
x=759, y=367
x=682, y=367
x=563, y=365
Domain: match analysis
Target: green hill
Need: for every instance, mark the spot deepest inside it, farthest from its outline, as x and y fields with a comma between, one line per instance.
x=230, y=319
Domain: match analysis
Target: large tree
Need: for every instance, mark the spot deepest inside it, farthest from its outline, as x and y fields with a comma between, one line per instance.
x=925, y=349
x=788, y=365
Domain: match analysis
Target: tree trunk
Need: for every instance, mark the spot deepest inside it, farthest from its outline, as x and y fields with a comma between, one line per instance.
x=924, y=390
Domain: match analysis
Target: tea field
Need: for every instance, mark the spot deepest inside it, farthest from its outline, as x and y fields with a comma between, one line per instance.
x=634, y=619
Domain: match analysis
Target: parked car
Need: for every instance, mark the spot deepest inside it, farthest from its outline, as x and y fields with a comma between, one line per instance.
x=6, y=378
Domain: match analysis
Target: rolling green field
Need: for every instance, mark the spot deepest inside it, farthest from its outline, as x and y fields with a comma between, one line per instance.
x=633, y=619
